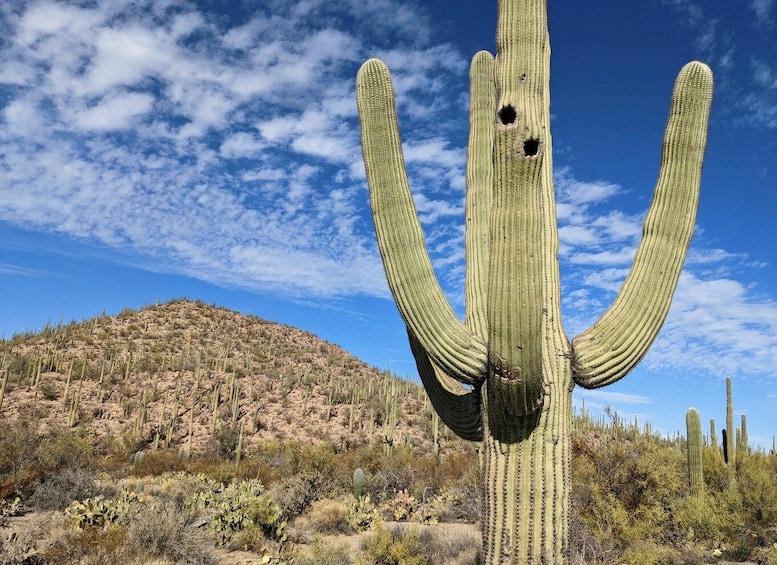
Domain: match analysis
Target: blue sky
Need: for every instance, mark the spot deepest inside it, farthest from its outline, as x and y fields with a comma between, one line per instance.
x=152, y=150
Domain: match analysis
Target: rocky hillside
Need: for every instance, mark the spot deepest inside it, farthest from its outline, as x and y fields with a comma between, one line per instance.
x=178, y=373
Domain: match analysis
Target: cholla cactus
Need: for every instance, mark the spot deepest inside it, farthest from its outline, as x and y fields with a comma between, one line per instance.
x=504, y=376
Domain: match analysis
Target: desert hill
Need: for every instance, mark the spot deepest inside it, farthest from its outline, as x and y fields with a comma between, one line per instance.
x=175, y=374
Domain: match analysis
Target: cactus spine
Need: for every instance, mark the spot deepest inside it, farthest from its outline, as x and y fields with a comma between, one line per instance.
x=695, y=466
x=511, y=354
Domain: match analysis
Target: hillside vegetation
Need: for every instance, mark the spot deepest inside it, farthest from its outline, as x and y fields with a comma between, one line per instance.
x=188, y=433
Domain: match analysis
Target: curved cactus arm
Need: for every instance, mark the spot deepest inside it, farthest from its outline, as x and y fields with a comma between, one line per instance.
x=458, y=407
x=451, y=345
x=480, y=178
x=608, y=350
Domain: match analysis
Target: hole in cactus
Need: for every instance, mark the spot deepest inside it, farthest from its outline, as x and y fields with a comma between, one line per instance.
x=531, y=147
x=507, y=115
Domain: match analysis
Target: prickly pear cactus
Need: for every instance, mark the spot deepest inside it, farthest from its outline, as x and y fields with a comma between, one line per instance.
x=504, y=375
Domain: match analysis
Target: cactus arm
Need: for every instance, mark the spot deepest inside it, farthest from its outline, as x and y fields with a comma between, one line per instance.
x=456, y=406
x=480, y=173
x=608, y=350
x=452, y=346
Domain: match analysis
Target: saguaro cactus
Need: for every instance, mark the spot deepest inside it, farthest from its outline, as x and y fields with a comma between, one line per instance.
x=695, y=461
x=730, y=448
x=504, y=376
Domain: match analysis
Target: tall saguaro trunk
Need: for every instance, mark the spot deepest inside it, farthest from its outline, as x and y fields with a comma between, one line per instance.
x=504, y=376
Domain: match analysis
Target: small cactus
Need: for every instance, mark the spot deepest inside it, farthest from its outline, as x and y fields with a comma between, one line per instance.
x=358, y=483
x=695, y=468
x=730, y=436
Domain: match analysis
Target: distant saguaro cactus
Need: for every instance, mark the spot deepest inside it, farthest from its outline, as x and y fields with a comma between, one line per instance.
x=504, y=376
x=713, y=436
x=730, y=437
x=694, y=440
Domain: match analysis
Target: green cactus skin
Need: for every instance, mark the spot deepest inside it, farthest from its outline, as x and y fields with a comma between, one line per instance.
x=504, y=376
x=358, y=483
x=730, y=436
x=695, y=465
x=744, y=440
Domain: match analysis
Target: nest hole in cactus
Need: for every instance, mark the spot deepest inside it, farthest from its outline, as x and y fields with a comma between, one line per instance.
x=507, y=115
x=531, y=147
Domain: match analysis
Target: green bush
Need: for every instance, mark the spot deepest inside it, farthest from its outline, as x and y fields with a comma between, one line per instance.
x=328, y=516
x=397, y=546
x=326, y=553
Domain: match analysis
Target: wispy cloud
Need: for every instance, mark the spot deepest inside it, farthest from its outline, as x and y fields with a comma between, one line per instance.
x=229, y=152
x=22, y=271
x=607, y=397
x=762, y=9
x=717, y=324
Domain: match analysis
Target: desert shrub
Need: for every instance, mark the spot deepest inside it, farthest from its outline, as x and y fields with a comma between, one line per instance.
x=296, y=493
x=623, y=489
x=647, y=552
x=585, y=548
x=707, y=518
x=158, y=462
x=395, y=546
x=327, y=516
x=224, y=441
x=165, y=532
x=89, y=546
x=26, y=455
x=326, y=553
x=766, y=555
x=447, y=545
x=717, y=475
x=757, y=485
x=61, y=487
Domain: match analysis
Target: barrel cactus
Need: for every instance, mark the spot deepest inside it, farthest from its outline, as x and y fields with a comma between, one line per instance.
x=504, y=375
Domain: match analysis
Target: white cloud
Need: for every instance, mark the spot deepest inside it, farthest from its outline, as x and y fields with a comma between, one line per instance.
x=607, y=397
x=718, y=326
x=114, y=112
x=241, y=144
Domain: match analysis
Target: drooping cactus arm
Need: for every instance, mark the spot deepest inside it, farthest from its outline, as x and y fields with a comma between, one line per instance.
x=608, y=350
x=457, y=407
x=451, y=345
x=480, y=178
